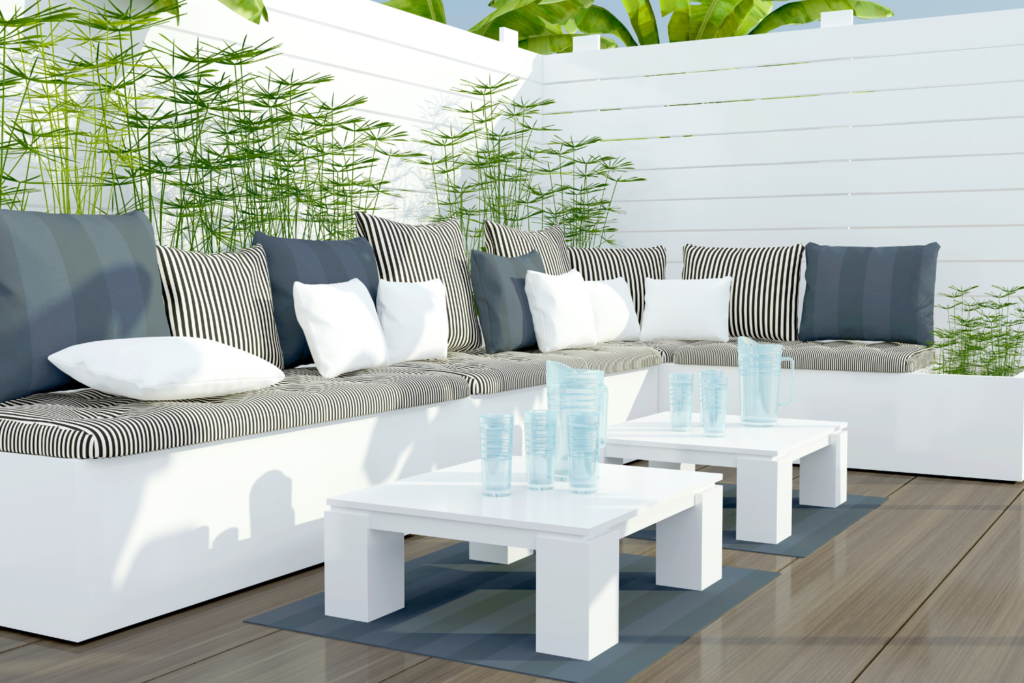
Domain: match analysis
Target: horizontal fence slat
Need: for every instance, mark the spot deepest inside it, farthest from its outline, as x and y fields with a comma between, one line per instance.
x=957, y=32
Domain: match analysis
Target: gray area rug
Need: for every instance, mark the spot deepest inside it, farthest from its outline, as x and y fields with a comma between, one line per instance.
x=479, y=613
x=813, y=527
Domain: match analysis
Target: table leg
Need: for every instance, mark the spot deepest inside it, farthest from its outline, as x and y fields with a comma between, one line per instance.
x=690, y=544
x=577, y=595
x=764, y=500
x=364, y=569
x=823, y=475
x=496, y=554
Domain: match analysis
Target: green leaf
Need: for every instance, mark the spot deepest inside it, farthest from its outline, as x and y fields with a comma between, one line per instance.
x=641, y=16
x=679, y=24
x=428, y=9
x=599, y=20
x=253, y=10
x=746, y=14
x=529, y=17
x=806, y=11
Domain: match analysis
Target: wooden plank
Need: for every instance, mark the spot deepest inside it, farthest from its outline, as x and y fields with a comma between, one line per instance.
x=927, y=70
x=959, y=32
x=298, y=658
x=948, y=174
x=829, y=614
x=953, y=103
x=971, y=628
x=9, y=640
x=925, y=140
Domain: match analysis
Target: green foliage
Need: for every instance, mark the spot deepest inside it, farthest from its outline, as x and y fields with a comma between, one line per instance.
x=985, y=336
x=490, y=166
x=428, y=9
x=253, y=10
x=207, y=144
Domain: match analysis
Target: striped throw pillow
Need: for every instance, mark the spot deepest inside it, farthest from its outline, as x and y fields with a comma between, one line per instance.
x=224, y=297
x=418, y=253
x=511, y=242
x=635, y=265
x=765, y=286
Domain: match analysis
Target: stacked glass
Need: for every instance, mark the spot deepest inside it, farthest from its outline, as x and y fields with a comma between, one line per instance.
x=713, y=402
x=705, y=378
x=496, y=455
x=541, y=440
x=680, y=401
x=584, y=451
x=571, y=392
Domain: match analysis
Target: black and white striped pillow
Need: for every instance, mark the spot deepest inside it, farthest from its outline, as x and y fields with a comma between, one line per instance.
x=511, y=242
x=224, y=297
x=635, y=265
x=418, y=253
x=765, y=286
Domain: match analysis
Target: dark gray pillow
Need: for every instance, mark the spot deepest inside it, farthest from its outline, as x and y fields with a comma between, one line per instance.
x=312, y=263
x=499, y=285
x=67, y=280
x=870, y=293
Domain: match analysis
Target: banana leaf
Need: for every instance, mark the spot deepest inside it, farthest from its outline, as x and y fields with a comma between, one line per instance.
x=529, y=17
x=641, y=16
x=253, y=10
x=806, y=11
x=679, y=24
x=428, y=9
x=556, y=43
x=744, y=17
x=597, y=19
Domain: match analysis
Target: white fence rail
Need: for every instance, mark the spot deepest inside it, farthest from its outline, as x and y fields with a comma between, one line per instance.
x=877, y=134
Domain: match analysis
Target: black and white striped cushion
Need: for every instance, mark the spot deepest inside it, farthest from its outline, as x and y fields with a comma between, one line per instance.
x=635, y=265
x=845, y=356
x=418, y=253
x=224, y=297
x=765, y=286
x=90, y=424
x=511, y=242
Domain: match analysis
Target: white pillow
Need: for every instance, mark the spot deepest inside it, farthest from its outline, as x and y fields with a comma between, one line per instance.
x=691, y=310
x=414, y=319
x=562, y=314
x=614, y=313
x=341, y=326
x=165, y=368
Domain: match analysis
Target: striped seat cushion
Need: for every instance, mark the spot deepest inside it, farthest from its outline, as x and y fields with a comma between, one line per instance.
x=494, y=373
x=633, y=265
x=847, y=356
x=90, y=424
x=223, y=297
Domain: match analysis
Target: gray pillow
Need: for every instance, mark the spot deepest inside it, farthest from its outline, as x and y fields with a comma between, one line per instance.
x=67, y=280
x=499, y=285
x=870, y=293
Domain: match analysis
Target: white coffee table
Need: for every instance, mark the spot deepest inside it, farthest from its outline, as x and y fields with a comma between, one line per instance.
x=576, y=538
x=763, y=458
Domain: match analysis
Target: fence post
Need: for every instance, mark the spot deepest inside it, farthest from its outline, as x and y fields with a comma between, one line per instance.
x=842, y=17
x=508, y=36
x=586, y=43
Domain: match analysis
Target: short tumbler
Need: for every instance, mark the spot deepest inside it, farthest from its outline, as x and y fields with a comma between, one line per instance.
x=496, y=454
x=541, y=440
x=714, y=402
x=680, y=400
x=584, y=452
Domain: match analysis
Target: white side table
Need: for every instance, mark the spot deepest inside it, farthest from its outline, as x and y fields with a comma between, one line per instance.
x=576, y=538
x=763, y=458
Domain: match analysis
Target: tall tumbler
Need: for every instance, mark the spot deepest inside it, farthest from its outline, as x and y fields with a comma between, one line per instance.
x=541, y=440
x=714, y=401
x=496, y=455
x=705, y=378
x=584, y=451
x=680, y=400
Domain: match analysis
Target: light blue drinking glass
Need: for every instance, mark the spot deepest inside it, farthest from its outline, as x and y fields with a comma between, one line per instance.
x=584, y=451
x=680, y=400
x=705, y=377
x=570, y=392
x=760, y=369
x=541, y=439
x=496, y=455
x=714, y=401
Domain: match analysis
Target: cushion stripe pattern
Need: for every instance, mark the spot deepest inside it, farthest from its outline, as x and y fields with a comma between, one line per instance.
x=844, y=356
x=765, y=286
x=222, y=297
x=634, y=265
x=90, y=424
x=509, y=242
x=418, y=253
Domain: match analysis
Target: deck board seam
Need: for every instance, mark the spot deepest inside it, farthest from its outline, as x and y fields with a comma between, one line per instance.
x=272, y=631
x=937, y=585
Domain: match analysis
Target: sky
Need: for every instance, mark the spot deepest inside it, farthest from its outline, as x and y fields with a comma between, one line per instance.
x=466, y=13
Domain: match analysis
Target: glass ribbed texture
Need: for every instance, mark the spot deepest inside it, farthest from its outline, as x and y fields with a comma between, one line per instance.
x=496, y=455
x=680, y=401
x=571, y=392
x=541, y=439
x=760, y=368
x=584, y=451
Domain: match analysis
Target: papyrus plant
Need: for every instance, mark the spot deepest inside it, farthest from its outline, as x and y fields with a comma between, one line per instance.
x=985, y=335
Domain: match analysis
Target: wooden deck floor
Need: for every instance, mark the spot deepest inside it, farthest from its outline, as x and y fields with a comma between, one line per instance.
x=929, y=587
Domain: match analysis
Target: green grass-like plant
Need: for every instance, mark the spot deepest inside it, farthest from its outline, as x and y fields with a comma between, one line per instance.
x=985, y=335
